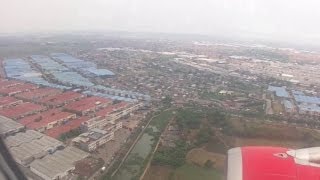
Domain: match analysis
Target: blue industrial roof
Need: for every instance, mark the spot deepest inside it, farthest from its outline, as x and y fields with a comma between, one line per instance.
x=306, y=99
x=100, y=72
x=311, y=108
x=21, y=70
x=280, y=91
x=84, y=66
x=287, y=104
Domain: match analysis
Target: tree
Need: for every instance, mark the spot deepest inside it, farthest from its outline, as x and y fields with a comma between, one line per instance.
x=209, y=164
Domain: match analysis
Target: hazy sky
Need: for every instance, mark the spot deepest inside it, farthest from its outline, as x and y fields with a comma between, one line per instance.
x=286, y=19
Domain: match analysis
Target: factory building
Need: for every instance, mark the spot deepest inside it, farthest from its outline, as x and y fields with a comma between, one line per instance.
x=58, y=165
x=279, y=91
x=93, y=139
x=75, y=124
x=6, y=83
x=87, y=105
x=12, y=90
x=61, y=99
x=8, y=102
x=38, y=93
x=30, y=145
x=112, y=116
x=21, y=110
x=9, y=127
x=289, y=107
x=47, y=120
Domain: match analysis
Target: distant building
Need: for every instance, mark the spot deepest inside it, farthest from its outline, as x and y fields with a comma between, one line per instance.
x=280, y=91
x=9, y=101
x=289, y=107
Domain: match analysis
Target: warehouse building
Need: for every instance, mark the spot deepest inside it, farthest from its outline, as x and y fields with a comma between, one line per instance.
x=9, y=101
x=12, y=90
x=61, y=99
x=21, y=110
x=289, y=107
x=38, y=93
x=47, y=120
x=56, y=132
x=9, y=127
x=6, y=83
x=112, y=108
x=58, y=165
x=280, y=91
x=30, y=145
x=87, y=105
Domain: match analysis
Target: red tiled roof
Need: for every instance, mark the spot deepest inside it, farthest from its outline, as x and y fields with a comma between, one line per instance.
x=61, y=98
x=112, y=108
x=38, y=93
x=20, y=110
x=17, y=88
x=44, y=118
x=7, y=100
x=6, y=83
x=86, y=103
x=73, y=124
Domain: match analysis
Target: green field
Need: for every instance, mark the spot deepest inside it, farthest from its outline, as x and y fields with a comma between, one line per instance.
x=192, y=172
x=162, y=119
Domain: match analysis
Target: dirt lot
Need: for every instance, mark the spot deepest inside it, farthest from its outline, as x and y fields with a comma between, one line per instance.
x=277, y=107
x=199, y=156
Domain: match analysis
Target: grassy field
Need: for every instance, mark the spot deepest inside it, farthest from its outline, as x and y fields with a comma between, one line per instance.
x=161, y=120
x=199, y=156
x=277, y=108
x=192, y=172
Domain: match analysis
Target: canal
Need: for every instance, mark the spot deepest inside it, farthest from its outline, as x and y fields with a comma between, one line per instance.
x=134, y=164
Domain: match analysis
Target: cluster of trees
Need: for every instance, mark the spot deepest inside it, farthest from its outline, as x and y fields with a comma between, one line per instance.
x=70, y=134
x=189, y=119
x=217, y=118
x=171, y=156
x=167, y=101
x=204, y=136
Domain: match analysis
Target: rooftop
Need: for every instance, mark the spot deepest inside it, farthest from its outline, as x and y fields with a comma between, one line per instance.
x=7, y=83
x=111, y=108
x=7, y=125
x=5, y=101
x=21, y=109
x=86, y=103
x=310, y=108
x=280, y=91
x=287, y=104
x=38, y=93
x=58, y=163
x=70, y=125
x=60, y=99
x=17, y=88
x=306, y=99
x=34, y=148
x=44, y=118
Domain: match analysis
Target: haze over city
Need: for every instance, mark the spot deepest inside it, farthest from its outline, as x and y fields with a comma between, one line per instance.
x=159, y=90
x=290, y=20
